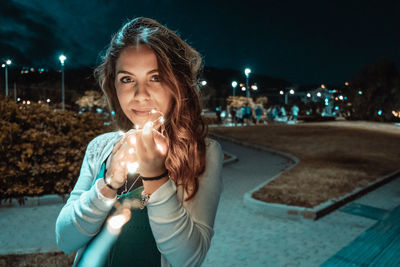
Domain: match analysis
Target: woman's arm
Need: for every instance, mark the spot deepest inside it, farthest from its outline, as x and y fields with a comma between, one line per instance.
x=183, y=234
x=85, y=211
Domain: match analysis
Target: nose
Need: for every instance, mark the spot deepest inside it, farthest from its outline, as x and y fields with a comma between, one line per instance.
x=141, y=92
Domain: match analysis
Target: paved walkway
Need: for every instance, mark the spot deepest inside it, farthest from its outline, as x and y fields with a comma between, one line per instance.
x=243, y=237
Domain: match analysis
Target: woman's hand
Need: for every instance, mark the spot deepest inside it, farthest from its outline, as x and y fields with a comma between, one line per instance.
x=121, y=156
x=151, y=150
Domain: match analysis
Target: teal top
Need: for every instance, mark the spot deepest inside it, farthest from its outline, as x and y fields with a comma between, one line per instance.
x=136, y=244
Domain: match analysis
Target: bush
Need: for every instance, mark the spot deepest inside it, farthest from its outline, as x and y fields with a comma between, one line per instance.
x=41, y=149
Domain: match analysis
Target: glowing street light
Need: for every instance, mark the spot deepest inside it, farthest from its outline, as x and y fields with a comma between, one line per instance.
x=8, y=62
x=62, y=59
x=308, y=95
x=247, y=72
x=281, y=92
x=291, y=91
x=254, y=87
x=243, y=88
x=234, y=85
x=319, y=94
x=204, y=83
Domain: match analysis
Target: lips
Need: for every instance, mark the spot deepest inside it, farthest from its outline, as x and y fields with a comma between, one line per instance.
x=142, y=113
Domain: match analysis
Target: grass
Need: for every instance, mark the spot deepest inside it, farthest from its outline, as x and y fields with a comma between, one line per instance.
x=335, y=158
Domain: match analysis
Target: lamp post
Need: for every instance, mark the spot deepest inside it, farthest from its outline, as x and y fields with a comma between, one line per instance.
x=5, y=65
x=62, y=58
x=247, y=72
x=234, y=84
x=281, y=92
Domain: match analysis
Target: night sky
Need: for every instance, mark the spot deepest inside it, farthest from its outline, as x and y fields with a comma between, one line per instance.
x=300, y=41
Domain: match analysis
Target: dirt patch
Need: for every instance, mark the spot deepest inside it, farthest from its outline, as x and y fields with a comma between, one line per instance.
x=52, y=259
x=335, y=158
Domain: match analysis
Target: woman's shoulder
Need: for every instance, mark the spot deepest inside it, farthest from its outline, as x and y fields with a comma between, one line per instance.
x=212, y=146
x=101, y=141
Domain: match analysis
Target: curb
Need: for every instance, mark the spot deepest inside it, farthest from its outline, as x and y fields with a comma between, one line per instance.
x=297, y=212
x=34, y=201
x=62, y=199
x=232, y=159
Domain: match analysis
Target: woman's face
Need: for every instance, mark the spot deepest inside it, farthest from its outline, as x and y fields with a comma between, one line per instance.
x=139, y=85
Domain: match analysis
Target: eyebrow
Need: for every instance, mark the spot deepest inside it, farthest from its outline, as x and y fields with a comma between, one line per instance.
x=127, y=72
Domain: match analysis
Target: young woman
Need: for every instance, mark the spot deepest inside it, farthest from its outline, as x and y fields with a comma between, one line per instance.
x=148, y=67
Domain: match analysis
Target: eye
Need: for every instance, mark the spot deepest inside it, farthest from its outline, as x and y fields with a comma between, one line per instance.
x=155, y=78
x=125, y=79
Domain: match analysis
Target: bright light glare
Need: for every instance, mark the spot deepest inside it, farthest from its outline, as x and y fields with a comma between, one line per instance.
x=160, y=148
x=308, y=95
x=8, y=62
x=243, y=88
x=147, y=127
x=281, y=92
x=234, y=84
x=48, y=100
x=132, y=167
x=117, y=221
x=291, y=91
x=247, y=71
x=62, y=58
x=254, y=87
x=203, y=83
x=133, y=140
x=319, y=94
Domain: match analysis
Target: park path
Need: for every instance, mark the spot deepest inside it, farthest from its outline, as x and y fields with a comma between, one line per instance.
x=242, y=237
x=245, y=238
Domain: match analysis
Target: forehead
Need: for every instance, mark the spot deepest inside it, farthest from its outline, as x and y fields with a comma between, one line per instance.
x=137, y=57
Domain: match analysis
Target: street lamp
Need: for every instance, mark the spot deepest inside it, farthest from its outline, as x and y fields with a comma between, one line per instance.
x=234, y=84
x=204, y=83
x=247, y=72
x=62, y=58
x=8, y=62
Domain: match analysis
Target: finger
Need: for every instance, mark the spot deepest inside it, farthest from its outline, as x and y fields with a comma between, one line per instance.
x=147, y=137
x=161, y=142
x=140, y=147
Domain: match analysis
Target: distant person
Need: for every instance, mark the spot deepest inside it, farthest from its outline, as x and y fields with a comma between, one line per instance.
x=247, y=114
x=282, y=112
x=259, y=111
x=275, y=112
x=239, y=114
x=295, y=112
x=218, y=112
x=232, y=111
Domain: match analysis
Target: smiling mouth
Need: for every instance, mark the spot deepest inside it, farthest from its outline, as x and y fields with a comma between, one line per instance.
x=142, y=113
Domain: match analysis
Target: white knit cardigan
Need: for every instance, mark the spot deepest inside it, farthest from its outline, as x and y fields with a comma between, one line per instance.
x=182, y=229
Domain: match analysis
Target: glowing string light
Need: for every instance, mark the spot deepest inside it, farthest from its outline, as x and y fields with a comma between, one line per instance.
x=132, y=167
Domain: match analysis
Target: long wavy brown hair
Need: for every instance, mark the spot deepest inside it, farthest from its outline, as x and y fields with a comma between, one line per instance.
x=179, y=66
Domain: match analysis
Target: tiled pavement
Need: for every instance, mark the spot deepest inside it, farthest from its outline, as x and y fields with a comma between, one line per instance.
x=242, y=237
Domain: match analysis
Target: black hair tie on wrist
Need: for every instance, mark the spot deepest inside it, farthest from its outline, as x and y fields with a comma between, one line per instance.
x=155, y=178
